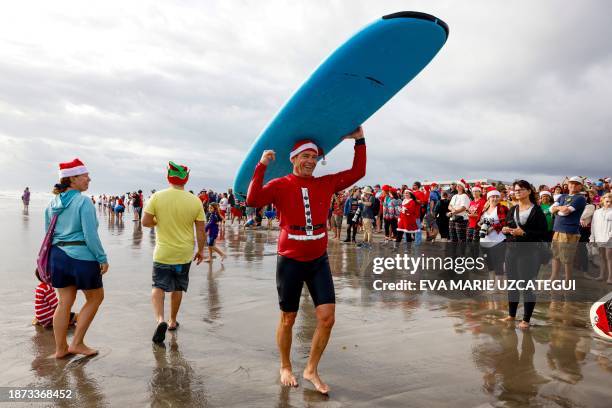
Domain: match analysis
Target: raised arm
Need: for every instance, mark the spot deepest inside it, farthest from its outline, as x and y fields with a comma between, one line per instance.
x=258, y=194
x=347, y=178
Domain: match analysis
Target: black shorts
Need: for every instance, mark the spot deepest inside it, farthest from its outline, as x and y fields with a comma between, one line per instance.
x=291, y=276
x=171, y=278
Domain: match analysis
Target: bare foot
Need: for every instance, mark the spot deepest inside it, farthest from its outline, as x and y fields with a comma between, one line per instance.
x=82, y=349
x=314, y=378
x=287, y=378
x=62, y=353
x=523, y=325
x=507, y=319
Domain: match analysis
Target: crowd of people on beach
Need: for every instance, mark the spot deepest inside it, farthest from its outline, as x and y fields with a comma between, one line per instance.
x=420, y=213
x=475, y=217
x=426, y=212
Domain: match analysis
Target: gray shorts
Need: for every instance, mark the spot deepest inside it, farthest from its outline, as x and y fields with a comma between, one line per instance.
x=171, y=278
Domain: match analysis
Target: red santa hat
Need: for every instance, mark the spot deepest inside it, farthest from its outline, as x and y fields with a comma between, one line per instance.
x=73, y=168
x=306, y=144
x=493, y=193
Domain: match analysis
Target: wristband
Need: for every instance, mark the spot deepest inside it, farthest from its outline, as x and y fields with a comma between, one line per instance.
x=360, y=142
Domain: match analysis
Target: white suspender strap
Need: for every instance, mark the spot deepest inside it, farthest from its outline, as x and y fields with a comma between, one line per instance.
x=307, y=211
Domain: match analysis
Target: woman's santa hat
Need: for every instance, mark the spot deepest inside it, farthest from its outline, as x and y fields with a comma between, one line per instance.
x=492, y=191
x=303, y=145
x=71, y=169
x=463, y=184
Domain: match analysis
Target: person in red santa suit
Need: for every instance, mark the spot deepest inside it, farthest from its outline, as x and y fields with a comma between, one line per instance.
x=302, y=201
x=409, y=213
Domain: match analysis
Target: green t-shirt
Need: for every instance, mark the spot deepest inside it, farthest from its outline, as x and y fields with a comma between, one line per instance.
x=549, y=217
x=175, y=212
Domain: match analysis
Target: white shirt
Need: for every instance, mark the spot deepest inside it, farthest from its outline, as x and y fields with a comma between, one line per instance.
x=492, y=237
x=601, y=226
x=223, y=203
x=524, y=215
x=460, y=200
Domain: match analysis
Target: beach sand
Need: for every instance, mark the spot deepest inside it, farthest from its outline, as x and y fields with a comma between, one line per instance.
x=419, y=350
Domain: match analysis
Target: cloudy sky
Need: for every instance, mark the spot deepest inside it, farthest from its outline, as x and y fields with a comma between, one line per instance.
x=521, y=89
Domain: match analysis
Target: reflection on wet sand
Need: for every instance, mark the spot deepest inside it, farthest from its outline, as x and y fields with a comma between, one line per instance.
x=137, y=236
x=510, y=373
x=25, y=218
x=507, y=356
x=173, y=381
x=213, y=300
x=66, y=374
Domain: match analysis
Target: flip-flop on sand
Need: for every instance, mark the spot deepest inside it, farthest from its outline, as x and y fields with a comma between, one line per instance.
x=160, y=333
x=175, y=327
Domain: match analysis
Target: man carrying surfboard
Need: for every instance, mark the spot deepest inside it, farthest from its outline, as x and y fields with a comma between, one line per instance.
x=302, y=201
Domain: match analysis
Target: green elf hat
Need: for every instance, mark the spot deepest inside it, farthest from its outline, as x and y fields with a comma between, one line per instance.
x=177, y=174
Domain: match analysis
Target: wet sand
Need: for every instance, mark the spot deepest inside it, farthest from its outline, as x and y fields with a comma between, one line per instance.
x=422, y=350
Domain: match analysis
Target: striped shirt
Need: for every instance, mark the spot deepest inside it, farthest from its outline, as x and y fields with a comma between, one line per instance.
x=44, y=304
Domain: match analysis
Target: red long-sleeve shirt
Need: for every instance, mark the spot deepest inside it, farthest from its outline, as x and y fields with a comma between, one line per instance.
x=288, y=195
x=475, y=211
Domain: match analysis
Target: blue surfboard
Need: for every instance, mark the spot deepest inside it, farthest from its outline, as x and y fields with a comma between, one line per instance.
x=347, y=88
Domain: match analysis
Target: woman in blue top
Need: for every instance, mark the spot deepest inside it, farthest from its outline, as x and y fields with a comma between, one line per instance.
x=77, y=260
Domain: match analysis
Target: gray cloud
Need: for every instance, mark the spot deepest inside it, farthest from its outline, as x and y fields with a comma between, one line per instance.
x=521, y=89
